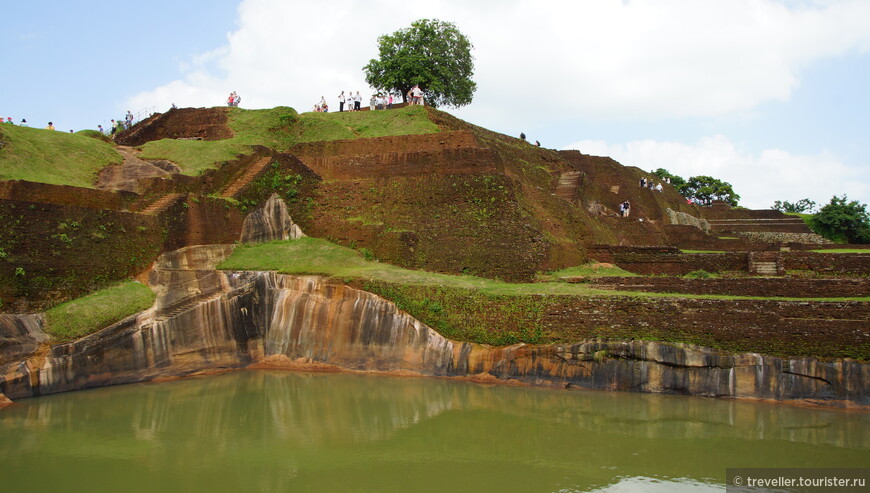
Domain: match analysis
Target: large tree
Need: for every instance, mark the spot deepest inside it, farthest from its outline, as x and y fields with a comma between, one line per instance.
x=843, y=220
x=432, y=54
x=704, y=189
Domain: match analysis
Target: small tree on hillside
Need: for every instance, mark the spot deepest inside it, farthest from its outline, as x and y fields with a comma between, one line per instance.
x=843, y=220
x=432, y=54
x=802, y=205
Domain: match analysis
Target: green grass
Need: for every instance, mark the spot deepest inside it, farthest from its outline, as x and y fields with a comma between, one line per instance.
x=316, y=256
x=592, y=269
x=58, y=158
x=82, y=316
x=282, y=127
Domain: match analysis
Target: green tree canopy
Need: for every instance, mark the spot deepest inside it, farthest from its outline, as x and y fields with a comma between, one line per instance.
x=432, y=54
x=802, y=205
x=675, y=180
x=705, y=189
x=843, y=220
x=701, y=189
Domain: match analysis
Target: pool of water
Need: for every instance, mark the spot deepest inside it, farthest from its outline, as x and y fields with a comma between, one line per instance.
x=283, y=431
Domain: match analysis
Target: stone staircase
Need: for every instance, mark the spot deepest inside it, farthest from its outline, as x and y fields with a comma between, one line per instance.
x=252, y=172
x=765, y=264
x=569, y=185
x=160, y=205
x=185, y=305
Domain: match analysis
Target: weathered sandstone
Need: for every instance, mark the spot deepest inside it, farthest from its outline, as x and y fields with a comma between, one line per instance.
x=205, y=320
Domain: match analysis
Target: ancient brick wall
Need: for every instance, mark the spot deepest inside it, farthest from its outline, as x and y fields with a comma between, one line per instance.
x=417, y=163
x=838, y=329
x=378, y=145
x=692, y=238
x=750, y=286
x=55, y=252
x=668, y=260
x=183, y=123
x=19, y=190
x=828, y=263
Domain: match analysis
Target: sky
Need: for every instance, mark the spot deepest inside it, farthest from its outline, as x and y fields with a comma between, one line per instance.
x=768, y=95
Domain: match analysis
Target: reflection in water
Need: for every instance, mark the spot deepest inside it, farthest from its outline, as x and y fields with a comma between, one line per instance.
x=277, y=431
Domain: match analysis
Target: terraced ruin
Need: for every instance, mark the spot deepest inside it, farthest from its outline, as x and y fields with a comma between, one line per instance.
x=464, y=239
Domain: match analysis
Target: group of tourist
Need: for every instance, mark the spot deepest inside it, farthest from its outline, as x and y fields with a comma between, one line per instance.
x=351, y=100
x=523, y=136
x=322, y=106
x=10, y=122
x=624, y=209
x=23, y=123
x=232, y=101
x=415, y=96
x=381, y=101
x=648, y=183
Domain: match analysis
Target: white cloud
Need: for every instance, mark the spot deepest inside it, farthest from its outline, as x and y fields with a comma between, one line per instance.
x=760, y=179
x=536, y=59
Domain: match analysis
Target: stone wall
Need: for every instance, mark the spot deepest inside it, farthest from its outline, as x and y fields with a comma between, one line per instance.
x=828, y=263
x=25, y=191
x=669, y=260
x=781, y=237
x=750, y=286
x=181, y=123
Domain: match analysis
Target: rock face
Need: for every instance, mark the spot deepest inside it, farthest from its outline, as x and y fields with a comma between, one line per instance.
x=206, y=320
x=270, y=222
x=20, y=335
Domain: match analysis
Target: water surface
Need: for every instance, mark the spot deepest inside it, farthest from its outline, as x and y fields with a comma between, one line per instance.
x=303, y=432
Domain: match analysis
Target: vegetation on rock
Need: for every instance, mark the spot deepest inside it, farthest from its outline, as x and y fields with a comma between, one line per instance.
x=85, y=315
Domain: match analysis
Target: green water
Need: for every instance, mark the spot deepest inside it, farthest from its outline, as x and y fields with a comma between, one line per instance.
x=252, y=431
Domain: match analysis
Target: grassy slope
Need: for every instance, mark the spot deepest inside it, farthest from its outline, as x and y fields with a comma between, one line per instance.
x=280, y=128
x=85, y=315
x=58, y=158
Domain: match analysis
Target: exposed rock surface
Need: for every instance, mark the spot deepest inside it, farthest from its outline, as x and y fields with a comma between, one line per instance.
x=270, y=222
x=20, y=335
x=206, y=320
x=683, y=218
x=126, y=176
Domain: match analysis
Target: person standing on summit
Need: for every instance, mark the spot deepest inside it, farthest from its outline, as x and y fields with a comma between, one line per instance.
x=341, y=100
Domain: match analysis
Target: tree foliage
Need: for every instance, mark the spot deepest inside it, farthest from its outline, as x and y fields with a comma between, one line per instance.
x=432, y=54
x=702, y=189
x=802, y=205
x=843, y=220
x=705, y=189
x=675, y=180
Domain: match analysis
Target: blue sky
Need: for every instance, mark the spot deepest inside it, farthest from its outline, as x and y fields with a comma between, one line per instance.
x=769, y=95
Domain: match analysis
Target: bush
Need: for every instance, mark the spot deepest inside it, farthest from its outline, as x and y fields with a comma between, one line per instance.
x=843, y=221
